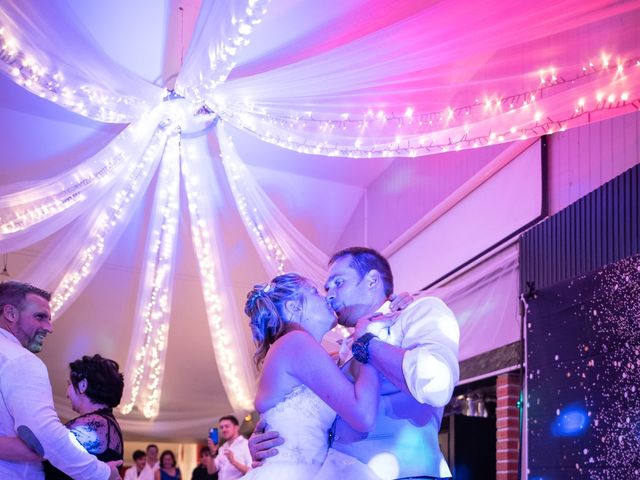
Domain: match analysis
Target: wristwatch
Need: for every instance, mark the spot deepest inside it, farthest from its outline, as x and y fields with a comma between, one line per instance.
x=360, y=347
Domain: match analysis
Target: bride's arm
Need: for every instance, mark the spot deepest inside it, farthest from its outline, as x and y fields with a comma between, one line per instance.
x=307, y=361
x=15, y=450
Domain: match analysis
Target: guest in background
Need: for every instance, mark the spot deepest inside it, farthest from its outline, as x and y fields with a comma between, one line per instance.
x=95, y=388
x=152, y=465
x=139, y=461
x=233, y=459
x=200, y=472
x=168, y=469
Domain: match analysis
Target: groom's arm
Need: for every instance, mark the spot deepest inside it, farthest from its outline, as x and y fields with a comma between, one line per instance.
x=426, y=365
x=262, y=443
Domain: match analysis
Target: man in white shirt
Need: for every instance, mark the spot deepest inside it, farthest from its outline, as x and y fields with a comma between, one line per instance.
x=152, y=464
x=417, y=354
x=26, y=402
x=233, y=459
x=139, y=462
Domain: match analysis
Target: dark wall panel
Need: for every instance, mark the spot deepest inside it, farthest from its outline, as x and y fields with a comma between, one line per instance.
x=597, y=230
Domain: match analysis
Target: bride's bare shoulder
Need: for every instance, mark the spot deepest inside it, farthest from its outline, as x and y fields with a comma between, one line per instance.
x=296, y=344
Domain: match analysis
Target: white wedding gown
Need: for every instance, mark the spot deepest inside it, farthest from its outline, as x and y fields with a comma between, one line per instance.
x=303, y=420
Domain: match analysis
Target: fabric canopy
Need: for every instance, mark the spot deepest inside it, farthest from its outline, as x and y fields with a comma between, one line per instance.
x=352, y=79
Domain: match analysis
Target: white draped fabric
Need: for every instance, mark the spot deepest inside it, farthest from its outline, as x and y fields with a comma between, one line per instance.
x=360, y=78
x=225, y=326
x=32, y=212
x=283, y=247
x=485, y=302
x=212, y=55
x=153, y=311
x=48, y=51
x=444, y=76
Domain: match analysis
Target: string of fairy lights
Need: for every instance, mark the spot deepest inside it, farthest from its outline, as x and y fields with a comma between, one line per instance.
x=205, y=245
x=30, y=208
x=367, y=133
x=251, y=215
x=117, y=203
x=377, y=133
x=87, y=100
x=222, y=57
x=154, y=307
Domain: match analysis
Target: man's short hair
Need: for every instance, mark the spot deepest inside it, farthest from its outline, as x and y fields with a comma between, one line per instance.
x=204, y=450
x=364, y=260
x=15, y=293
x=138, y=454
x=153, y=445
x=231, y=418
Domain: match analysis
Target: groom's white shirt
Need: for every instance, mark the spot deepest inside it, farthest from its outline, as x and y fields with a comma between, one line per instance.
x=405, y=437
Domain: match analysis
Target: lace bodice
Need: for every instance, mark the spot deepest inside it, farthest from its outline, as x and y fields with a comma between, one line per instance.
x=99, y=433
x=303, y=420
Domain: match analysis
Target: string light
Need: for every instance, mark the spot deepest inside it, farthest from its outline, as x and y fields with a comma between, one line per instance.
x=105, y=223
x=225, y=346
x=254, y=218
x=87, y=100
x=222, y=57
x=154, y=308
x=374, y=134
x=251, y=216
x=28, y=208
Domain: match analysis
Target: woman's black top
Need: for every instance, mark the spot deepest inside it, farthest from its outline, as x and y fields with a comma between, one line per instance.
x=99, y=433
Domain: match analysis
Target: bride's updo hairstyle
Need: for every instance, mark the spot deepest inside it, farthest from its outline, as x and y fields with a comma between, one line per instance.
x=266, y=311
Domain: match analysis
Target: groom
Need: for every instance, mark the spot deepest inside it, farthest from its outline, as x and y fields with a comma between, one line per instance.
x=417, y=356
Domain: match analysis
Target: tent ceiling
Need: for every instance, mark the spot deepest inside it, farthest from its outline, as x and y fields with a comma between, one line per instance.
x=466, y=51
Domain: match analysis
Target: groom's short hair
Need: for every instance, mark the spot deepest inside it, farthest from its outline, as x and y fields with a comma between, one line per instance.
x=364, y=260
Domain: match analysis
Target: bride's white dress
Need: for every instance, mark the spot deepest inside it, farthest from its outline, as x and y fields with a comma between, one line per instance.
x=303, y=420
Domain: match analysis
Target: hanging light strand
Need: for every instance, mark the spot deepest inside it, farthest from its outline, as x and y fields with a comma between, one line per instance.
x=87, y=100
x=251, y=215
x=378, y=133
x=27, y=208
x=222, y=54
x=225, y=339
x=148, y=350
x=118, y=205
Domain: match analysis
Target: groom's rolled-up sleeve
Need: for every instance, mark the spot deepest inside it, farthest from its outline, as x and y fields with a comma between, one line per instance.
x=430, y=364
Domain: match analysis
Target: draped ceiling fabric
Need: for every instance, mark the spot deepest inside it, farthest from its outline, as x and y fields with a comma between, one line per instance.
x=352, y=79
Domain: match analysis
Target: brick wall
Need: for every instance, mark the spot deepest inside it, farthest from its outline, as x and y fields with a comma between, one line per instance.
x=507, y=424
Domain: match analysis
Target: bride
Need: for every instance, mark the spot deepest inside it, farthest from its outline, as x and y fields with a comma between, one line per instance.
x=301, y=389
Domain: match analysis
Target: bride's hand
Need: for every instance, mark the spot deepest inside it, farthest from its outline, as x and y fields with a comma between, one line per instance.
x=376, y=324
x=262, y=443
x=400, y=301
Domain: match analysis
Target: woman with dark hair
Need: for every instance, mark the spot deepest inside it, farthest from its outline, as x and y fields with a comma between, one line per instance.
x=95, y=388
x=168, y=469
x=301, y=389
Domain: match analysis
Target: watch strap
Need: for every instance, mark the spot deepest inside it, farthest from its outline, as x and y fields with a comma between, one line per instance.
x=360, y=347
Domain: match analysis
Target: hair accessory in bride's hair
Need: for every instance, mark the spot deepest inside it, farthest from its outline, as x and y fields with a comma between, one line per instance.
x=267, y=287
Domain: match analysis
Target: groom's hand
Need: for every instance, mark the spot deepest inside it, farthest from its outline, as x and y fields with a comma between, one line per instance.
x=262, y=443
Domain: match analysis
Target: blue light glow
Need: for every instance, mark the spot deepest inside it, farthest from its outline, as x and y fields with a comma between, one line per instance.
x=572, y=421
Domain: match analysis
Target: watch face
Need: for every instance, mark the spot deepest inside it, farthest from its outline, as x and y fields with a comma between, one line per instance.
x=360, y=352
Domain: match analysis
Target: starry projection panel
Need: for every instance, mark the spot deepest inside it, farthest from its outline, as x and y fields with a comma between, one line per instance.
x=583, y=357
